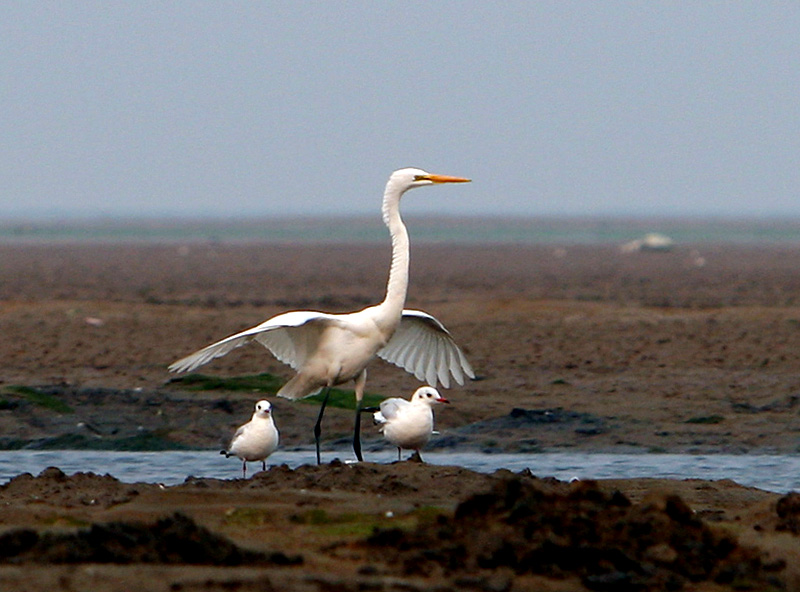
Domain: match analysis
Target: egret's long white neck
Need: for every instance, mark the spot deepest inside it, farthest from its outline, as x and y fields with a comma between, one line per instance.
x=397, y=286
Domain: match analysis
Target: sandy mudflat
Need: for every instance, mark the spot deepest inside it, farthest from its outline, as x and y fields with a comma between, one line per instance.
x=696, y=350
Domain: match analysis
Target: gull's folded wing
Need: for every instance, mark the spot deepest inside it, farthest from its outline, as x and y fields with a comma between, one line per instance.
x=391, y=407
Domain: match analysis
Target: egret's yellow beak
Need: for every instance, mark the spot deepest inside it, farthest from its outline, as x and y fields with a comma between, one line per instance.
x=441, y=179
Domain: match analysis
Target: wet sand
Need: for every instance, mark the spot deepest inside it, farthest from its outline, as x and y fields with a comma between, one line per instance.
x=695, y=350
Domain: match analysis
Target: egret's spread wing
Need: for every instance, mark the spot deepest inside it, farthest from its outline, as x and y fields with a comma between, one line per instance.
x=293, y=336
x=290, y=337
x=422, y=346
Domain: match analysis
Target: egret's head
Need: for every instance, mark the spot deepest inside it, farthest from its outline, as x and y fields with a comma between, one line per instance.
x=405, y=179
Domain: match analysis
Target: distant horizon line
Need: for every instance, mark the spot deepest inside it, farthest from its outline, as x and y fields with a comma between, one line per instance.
x=168, y=219
x=424, y=228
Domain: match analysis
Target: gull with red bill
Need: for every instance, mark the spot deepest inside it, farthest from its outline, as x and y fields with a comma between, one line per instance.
x=409, y=424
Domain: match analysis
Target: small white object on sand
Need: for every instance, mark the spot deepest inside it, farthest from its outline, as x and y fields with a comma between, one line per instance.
x=649, y=242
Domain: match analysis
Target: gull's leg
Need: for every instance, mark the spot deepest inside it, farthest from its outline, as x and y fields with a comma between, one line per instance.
x=317, y=428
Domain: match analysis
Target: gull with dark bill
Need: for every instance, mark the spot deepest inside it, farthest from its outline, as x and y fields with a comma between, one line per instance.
x=256, y=439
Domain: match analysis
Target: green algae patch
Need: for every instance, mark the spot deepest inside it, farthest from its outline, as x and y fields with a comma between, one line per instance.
x=35, y=396
x=269, y=384
x=265, y=383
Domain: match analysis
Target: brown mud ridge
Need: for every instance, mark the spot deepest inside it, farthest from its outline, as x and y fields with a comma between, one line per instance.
x=610, y=543
x=175, y=540
x=404, y=526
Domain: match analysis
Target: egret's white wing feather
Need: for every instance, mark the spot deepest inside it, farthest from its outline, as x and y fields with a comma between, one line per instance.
x=432, y=351
x=289, y=336
x=422, y=346
x=416, y=356
x=458, y=374
x=443, y=362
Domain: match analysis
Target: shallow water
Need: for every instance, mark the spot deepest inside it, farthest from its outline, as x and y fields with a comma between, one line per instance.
x=779, y=473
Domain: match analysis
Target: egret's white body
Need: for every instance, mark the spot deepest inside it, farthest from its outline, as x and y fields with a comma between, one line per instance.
x=331, y=349
x=409, y=424
x=256, y=439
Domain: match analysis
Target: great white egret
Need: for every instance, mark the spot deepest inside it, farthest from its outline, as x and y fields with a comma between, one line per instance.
x=256, y=439
x=409, y=424
x=331, y=349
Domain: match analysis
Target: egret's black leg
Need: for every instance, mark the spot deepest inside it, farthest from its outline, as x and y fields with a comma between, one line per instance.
x=317, y=428
x=263, y=465
x=357, y=433
x=398, y=454
x=244, y=469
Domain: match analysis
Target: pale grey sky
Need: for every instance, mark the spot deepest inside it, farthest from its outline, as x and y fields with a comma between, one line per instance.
x=284, y=108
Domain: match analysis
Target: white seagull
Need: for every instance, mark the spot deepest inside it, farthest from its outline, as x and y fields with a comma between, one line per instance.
x=409, y=424
x=256, y=439
x=331, y=349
